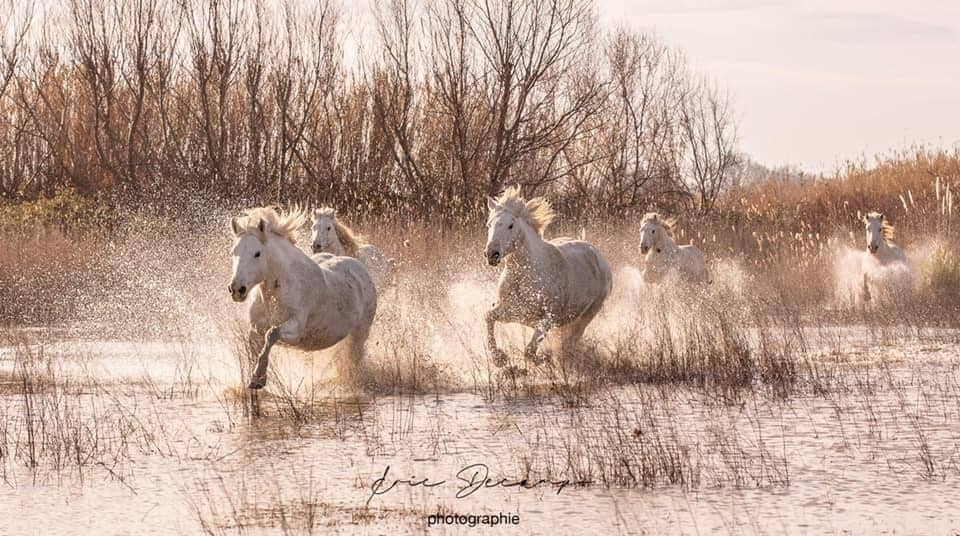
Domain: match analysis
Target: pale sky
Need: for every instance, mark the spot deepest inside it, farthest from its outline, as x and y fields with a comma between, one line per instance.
x=818, y=82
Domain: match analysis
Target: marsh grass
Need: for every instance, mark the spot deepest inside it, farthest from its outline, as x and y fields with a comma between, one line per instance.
x=596, y=419
x=638, y=439
x=227, y=503
x=942, y=270
x=236, y=508
x=56, y=425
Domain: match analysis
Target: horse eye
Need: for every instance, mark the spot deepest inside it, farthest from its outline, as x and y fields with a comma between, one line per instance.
x=256, y=255
x=328, y=227
x=653, y=231
x=510, y=226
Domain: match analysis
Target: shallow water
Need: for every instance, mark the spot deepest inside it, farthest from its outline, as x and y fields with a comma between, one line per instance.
x=170, y=449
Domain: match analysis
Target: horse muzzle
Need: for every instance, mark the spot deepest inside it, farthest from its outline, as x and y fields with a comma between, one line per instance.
x=238, y=293
x=317, y=248
x=873, y=249
x=493, y=258
x=644, y=249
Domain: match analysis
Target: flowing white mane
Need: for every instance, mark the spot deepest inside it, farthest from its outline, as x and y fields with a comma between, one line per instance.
x=283, y=224
x=537, y=212
x=653, y=217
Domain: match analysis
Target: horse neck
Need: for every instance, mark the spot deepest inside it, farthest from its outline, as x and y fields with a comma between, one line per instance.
x=667, y=244
x=887, y=251
x=529, y=249
x=281, y=257
x=337, y=247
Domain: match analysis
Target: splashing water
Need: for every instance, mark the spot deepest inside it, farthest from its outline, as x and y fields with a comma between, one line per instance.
x=859, y=278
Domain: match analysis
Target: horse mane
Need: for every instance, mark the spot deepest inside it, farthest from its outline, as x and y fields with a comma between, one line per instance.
x=653, y=217
x=351, y=241
x=889, y=231
x=283, y=224
x=538, y=212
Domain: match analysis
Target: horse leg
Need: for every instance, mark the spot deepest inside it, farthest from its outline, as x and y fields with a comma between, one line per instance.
x=539, y=333
x=351, y=359
x=866, y=289
x=574, y=332
x=254, y=345
x=359, y=339
x=491, y=318
x=259, y=378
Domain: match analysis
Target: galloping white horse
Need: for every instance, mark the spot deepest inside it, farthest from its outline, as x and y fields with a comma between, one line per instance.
x=545, y=284
x=663, y=254
x=307, y=303
x=330, y=235
x=887, y=261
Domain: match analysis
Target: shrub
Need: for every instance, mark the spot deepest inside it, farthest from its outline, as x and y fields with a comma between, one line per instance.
x=66, y=211
x=943, y=276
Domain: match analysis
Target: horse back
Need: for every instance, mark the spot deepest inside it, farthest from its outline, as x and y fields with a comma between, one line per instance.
x=588, y=274
x=693, y=252
x=694, y=263
x=345, y=276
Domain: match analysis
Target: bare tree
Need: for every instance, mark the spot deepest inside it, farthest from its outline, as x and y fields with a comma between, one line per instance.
x=458, y=100
x=710, y=137
x=313, y=56
x=251, y=101
x=393, y=86
x=533, y=50
x=641, y=123
x=14, y=32
x=12, y=39
x=216, y=46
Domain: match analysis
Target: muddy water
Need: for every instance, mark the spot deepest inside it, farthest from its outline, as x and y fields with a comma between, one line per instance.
x=876, y=450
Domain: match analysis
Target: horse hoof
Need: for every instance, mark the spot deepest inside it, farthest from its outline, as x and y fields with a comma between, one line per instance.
x=257, y=383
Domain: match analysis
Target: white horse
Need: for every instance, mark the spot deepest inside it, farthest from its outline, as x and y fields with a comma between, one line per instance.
x=662, y=254
x=545, y=284
x=887, y=263
x=330, y=235
x=307, y=303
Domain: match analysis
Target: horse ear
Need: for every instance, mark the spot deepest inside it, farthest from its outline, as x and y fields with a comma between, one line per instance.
x=262, y=226
x=491, y=203
x=881, y=217
x=235, y=226
x=316, y=213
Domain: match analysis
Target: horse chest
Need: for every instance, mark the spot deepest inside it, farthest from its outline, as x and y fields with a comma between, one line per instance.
x=528, y=296
x=271, y=305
